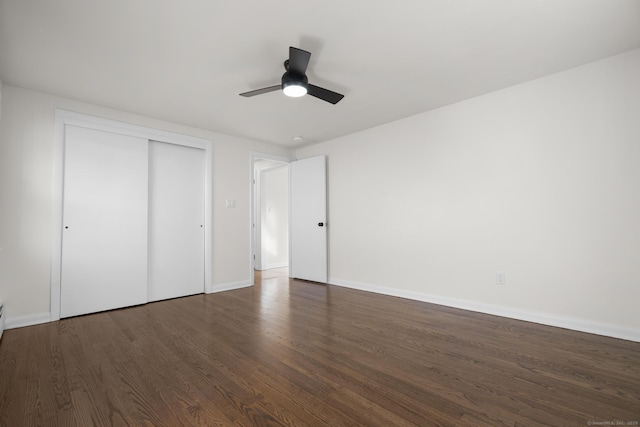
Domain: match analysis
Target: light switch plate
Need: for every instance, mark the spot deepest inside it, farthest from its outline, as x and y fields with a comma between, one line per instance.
x=231, y=204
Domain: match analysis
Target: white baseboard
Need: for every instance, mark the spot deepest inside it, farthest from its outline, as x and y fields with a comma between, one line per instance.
x=3, y=318
x=36, y=319
x=581, y=325
x=280, y=265
x=229, y=286
x=29, y=320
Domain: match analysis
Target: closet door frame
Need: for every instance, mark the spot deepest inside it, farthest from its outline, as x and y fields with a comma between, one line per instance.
x=63, y=118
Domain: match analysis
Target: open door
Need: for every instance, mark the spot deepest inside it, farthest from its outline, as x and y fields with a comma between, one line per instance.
x=308, y=186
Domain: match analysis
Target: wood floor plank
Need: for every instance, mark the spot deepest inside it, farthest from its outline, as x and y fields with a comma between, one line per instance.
x=294, y=353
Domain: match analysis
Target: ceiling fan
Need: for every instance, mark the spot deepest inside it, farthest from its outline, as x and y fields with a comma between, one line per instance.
x=295, y=82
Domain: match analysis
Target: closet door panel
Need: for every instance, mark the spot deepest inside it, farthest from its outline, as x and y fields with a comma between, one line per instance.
x=104, y=242
x=176, y=220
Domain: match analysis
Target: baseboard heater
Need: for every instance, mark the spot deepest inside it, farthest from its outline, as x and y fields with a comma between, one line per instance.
x=1, y=319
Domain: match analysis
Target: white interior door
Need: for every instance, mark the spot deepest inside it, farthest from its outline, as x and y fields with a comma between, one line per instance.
x=308, y=186
x=104, y=242
x=176, y=220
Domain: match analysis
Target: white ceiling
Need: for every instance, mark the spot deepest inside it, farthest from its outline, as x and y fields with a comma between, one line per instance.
x=186, y=61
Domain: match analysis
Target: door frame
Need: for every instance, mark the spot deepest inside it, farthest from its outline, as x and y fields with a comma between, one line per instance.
x=255, y=155
x=64, y=117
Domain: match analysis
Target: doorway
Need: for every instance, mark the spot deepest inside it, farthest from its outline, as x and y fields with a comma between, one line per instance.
x=270, y=212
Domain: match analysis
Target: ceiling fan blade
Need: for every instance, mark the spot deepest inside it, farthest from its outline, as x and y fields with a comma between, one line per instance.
x=261, y=91
x=298, y=60
x=324, y=94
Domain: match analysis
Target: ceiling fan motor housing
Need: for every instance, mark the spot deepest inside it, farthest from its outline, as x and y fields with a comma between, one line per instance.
x=294, y=79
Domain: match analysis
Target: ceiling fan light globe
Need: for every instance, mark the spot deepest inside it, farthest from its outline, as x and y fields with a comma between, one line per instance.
x=295, y=90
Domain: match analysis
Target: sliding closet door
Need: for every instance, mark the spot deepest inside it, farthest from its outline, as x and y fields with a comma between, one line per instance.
x=176, y=220
x=104, y=241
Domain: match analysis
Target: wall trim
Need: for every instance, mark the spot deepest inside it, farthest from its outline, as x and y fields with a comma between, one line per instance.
x=581, y=325
x=39, y=318
x=28, y=320
x=276, y=265
x=3, y=315
x=222, y=287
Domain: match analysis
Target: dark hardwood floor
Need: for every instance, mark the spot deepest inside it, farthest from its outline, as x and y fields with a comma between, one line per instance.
x=296, y=353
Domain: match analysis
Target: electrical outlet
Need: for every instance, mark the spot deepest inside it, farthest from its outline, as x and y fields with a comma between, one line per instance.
x=501, y=278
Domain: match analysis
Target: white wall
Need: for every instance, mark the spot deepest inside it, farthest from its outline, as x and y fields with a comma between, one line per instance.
x=26, y=150
x=539, y=180
x=275, y=217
